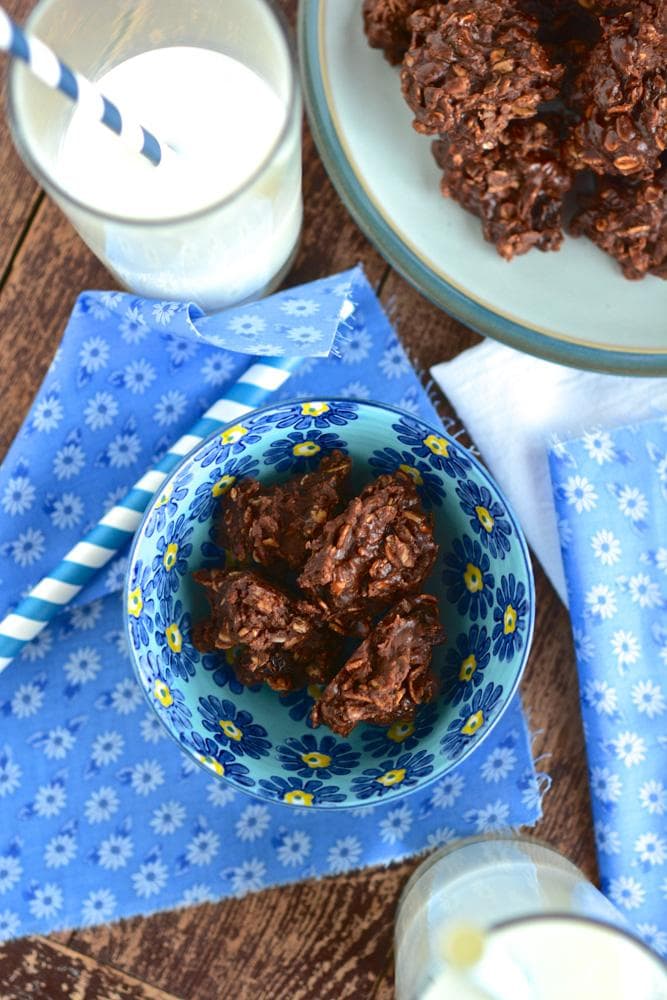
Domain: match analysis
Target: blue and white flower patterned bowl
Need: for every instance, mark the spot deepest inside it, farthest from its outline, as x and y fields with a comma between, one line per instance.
x=261, y=741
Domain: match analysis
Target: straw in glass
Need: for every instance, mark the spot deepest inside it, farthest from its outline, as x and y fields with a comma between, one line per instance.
x=48, y=68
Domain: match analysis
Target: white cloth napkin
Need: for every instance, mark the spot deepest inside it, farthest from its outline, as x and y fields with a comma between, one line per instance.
x=514, y=405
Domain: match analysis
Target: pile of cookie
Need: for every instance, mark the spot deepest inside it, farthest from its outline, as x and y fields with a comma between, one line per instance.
x=529, y=100
x=314, y=569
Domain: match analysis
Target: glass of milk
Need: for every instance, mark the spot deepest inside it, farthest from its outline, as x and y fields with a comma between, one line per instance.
x=217, y=222
x=507, y=918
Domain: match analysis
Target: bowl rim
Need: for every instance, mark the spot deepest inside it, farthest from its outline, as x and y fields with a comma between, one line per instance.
x=518, y=531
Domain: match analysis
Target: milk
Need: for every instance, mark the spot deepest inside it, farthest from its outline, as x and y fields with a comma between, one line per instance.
x=555, y=959
x=212, y=223
x=220, y=117
x=540, y=923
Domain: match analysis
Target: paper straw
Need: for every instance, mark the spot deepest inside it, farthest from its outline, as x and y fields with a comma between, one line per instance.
x=115, y=529
x=48, y=68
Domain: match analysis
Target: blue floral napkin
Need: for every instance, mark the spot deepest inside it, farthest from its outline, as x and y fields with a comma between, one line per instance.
x=100, y=815
x=610, y=489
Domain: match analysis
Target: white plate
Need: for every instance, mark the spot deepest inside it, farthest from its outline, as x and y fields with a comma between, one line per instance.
x=573, y=306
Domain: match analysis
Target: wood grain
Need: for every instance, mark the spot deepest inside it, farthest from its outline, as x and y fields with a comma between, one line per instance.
x=37, y=967
x=331, y=241
x=21, y=193
x=324, y=940
x=311, y=941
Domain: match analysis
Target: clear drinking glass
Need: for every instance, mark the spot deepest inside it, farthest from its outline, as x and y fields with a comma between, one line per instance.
x=228, y=250
x=537, y=928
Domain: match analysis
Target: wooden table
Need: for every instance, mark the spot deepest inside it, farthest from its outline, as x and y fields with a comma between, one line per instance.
x=315, y=940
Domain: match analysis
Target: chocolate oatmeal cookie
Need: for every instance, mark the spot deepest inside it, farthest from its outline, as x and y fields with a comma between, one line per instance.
x=386, y=25
x=629, y=221
x=472, y=67
x=516, y=189
x=280, y=638
x=389, y=675
x=273, y=526
x=621, y=95
x=378, y=549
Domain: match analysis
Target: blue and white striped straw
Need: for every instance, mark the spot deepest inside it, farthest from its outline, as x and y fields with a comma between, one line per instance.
x=116, y=528
x=48, y=68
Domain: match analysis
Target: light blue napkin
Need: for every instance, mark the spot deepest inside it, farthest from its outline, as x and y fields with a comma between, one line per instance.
x=610, y=490
x=100, y=815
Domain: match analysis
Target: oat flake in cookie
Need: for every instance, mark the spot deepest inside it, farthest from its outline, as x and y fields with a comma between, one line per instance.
x=390, y=674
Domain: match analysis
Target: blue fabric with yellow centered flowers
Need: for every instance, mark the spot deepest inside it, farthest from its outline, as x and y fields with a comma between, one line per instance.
x=100, y=815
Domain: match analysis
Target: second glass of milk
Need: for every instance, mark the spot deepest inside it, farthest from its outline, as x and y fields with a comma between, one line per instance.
x=508, y=918
x=217, y=222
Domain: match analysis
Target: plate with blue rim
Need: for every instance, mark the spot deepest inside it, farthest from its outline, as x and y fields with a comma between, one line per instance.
x=573, y=307
x=262, y=742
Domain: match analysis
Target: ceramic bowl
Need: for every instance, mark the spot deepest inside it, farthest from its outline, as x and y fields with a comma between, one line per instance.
x=262, y=742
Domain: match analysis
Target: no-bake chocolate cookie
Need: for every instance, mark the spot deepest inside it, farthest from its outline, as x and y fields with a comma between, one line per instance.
x=273, y=526
x=380, y=548
x=523, y=95
x=629, y=221
x=472, y=67
x=516, y=189
x=386, y=25
x=621, y=94
x=361, y=562
x=280, y=638
x=390, y=674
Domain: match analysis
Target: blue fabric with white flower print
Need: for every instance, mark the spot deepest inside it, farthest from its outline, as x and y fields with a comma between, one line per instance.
x=610, y=490
x=100, y=815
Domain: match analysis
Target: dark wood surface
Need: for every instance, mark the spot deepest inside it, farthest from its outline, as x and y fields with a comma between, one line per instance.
x=320, y=940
